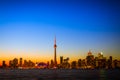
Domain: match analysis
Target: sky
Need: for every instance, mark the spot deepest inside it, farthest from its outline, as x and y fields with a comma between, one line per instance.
x=28, y=28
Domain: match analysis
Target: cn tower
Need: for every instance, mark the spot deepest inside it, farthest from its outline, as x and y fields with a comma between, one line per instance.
x=55, y=46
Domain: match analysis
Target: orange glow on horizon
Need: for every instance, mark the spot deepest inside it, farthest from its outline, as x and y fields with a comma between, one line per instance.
x=40, y=57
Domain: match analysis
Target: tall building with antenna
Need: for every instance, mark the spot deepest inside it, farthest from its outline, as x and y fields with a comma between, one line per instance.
x=55, y=46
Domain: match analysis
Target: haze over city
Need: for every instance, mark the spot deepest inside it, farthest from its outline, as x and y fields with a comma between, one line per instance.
x=28, y=28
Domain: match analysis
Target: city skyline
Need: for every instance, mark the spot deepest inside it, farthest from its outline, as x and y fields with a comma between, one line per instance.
x=57, y=60
x=28, y=28
x=90, y=62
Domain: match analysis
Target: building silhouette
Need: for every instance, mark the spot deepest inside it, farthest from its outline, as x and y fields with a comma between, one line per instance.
x=74, y=65
x=25, y=63
x=4, y=64
x=90, y=59
x=100, y=61
x=51, y=64
x=61, y=59
x=20, y=64
x=79, y=63
x=15, y=62
x=10, y=63
x=109, y=62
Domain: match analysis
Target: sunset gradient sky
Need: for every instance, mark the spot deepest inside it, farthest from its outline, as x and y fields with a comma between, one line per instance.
x=28, y=28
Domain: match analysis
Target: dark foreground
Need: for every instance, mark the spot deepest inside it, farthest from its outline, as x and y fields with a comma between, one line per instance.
x=59, y=74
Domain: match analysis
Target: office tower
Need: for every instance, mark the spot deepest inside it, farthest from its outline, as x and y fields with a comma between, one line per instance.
x=48, y=65
x=74, y=65
x=61, y=59
x=110, y=62
x=110, y=58
x=90, y=59
x=79, y=63
x=10, y=63
x=15, y=62
x=3, y=64
x=55, y=46
x=25, y=63
x=20, y=62
x=52, y=62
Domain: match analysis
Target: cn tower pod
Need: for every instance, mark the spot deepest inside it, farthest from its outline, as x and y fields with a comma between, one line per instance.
x=55, y=46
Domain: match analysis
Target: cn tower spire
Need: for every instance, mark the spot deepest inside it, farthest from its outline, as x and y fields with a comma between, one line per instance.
x=55, y=46
x=55, y=40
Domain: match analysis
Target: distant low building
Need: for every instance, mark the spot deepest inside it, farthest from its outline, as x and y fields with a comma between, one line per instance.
x=41, y=65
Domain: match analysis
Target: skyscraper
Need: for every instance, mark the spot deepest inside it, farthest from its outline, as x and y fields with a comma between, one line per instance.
x=61, y=59
x=10, y=63
x=15, y=62
x=20, y=62
x=3, y=64
x=55, y=46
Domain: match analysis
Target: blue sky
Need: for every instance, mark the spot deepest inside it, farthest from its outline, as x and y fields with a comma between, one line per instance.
x=29, y=27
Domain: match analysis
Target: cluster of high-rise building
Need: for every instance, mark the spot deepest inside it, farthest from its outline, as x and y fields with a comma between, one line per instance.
x=89, y=62
x=15, y=63
x=99, y=62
